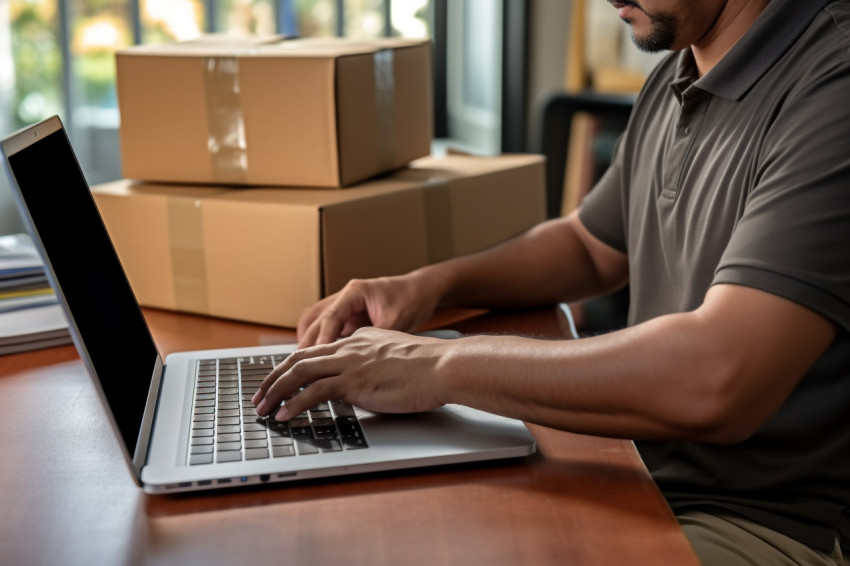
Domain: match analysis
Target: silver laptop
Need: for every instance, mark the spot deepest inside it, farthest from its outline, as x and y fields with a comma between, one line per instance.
x=186, y=423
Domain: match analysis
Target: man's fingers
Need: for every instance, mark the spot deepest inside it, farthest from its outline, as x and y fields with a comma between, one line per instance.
x=282, y=368
x=307, y=398
x=292, y=376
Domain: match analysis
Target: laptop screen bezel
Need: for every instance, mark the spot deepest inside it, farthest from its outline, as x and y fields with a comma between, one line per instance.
x=11, y=145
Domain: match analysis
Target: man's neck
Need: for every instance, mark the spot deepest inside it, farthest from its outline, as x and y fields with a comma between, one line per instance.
x=734, y=20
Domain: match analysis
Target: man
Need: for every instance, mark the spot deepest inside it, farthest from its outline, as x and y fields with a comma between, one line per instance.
x=727, y=210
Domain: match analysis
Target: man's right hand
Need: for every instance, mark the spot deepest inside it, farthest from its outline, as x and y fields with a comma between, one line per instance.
x=402, y=302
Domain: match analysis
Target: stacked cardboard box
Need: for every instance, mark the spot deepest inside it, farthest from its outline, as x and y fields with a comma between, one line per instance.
x=275, y=111
x=265, y=254
x=230, y=142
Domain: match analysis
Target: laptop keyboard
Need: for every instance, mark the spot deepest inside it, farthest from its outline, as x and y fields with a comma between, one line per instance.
x=226, y=428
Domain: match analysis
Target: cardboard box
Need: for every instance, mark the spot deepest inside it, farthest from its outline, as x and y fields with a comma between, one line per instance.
x=264, y=255
x=300, y=112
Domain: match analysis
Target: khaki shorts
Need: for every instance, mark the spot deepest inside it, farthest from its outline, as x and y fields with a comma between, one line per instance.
x=726, y=539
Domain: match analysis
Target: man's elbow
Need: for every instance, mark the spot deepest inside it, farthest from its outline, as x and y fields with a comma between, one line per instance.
x=723, y=412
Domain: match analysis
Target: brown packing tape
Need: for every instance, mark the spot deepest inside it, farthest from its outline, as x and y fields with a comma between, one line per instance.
x=188, y=262
x=385, y=105
x=225, y=127
x=438, y=220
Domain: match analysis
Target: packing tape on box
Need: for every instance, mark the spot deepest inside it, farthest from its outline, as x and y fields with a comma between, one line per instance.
x=385, y=106
x=225, y=127
x=438, y=220
x=188, y=260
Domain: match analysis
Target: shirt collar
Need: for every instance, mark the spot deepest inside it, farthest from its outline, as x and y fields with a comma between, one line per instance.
x=767, y=40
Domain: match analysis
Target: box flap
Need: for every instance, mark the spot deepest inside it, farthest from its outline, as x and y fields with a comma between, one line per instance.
x=223, y=45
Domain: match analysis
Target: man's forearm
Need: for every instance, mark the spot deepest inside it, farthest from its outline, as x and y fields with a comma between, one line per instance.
x=712, y=375
x=547, y=264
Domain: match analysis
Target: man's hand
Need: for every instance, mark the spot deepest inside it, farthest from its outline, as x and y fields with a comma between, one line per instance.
x=396, y=303
x=378, y=370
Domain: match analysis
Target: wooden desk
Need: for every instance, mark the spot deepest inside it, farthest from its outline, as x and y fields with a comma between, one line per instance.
x=68, y=498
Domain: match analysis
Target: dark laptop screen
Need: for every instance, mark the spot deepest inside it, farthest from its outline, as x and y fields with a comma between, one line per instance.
x=90, y=277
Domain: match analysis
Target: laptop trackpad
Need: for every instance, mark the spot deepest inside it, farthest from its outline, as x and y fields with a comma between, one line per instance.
x=453, y=428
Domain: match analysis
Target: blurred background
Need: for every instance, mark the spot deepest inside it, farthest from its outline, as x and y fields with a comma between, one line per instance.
x=497, y=62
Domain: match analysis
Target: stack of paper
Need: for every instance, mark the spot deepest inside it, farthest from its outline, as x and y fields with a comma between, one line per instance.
x=30, y=317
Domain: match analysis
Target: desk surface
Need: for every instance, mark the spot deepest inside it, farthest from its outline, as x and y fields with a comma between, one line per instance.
x=68, y=498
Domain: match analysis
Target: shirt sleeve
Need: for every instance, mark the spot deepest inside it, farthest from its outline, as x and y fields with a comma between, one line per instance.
x=793, y=238
x=603, y=210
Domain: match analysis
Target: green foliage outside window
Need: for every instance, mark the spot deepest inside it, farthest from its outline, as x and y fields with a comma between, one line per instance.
x=37, y=61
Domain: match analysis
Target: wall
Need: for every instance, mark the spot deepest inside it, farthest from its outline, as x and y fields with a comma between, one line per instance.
x=549, y=21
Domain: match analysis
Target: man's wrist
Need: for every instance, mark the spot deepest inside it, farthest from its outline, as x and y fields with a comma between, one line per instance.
x=434, y=280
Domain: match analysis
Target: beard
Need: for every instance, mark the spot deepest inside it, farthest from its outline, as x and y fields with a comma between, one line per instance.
x=662, y=33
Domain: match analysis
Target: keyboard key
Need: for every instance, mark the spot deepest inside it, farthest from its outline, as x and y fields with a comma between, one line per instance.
x=204, y=402
x=254, y=435
x=325, y=432
x=200, y=433
x=202, y=425
x=283, y=451
x=199, y=418
x=253, y=426
x=205, y=410
x=230, y=456
x=342, y=409
x=227, y=421
x=306, y=446
x=256, y=453
x=228, y=437
x=196, y=459
x=201, y=441
x=281, y=441
x=261, y=443
x=347, y=425
x=201, y=449
x=225, y=446
x=227, y=429
x=354, y=443
x=301, y=431
x=228, y=413
x=328, y=444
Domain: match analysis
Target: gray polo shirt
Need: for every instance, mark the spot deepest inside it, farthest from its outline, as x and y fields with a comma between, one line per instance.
x=742, y=176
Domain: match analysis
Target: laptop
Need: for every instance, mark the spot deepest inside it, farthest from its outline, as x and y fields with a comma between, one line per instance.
x=186, y=423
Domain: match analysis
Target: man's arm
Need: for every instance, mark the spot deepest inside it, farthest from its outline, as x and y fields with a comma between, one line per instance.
x=555, y=261
x=712, y=375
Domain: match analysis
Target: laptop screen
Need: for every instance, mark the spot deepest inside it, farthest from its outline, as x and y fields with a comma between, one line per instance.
x=90, y=277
